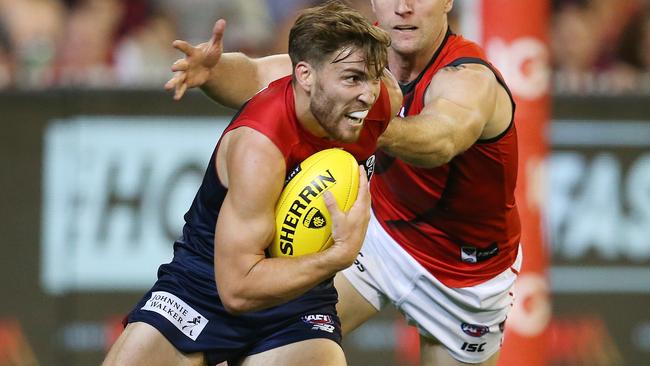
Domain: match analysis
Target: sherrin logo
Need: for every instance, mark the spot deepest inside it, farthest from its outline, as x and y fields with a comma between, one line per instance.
x=302, y=220
x=313, y=190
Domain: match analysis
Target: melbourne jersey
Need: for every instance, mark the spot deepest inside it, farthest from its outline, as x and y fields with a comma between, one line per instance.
x=459, y=220
x=272, y=113
x=184, y=304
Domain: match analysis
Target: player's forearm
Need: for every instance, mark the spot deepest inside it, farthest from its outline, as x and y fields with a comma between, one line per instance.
x=418, y=141
x=233, y=81
x=273, y=281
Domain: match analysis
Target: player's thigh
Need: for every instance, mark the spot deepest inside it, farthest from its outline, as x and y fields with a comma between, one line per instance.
x=433, y=353
x=352, y=308
x=140, y=344
x=316, y=352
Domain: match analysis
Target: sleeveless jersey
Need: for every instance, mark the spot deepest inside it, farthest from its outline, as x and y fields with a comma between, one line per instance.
x=459, y=220
x=272, y=113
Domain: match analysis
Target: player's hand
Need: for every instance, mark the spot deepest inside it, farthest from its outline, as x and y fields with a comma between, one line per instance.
x=349, y=228
x=194, y=69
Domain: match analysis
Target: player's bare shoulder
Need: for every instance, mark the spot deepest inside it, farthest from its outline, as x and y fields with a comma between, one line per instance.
x=465, y=81
x=394, y=91
x=474, y=87
x=245, y=147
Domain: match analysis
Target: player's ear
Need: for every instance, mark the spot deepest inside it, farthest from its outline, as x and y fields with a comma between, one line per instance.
x=449, y=4
x=304, y=74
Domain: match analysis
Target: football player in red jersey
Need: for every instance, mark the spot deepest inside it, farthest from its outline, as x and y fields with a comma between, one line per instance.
x=443, y=243
x=221, y=298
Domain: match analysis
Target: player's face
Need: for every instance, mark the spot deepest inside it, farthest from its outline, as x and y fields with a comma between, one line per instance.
x=413, y=25
x=342, y=95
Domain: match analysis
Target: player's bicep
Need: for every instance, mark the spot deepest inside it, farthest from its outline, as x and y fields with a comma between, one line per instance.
x=246, y=222
x=464, y=96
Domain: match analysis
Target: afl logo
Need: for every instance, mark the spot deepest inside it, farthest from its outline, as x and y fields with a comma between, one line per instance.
x=474, y=330
x=314, y=219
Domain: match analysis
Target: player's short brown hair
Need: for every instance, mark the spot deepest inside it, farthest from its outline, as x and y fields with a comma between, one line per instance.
x=323, y=29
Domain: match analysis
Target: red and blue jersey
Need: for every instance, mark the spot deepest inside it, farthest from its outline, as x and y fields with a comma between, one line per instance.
x=272, y=113
x=188, y=281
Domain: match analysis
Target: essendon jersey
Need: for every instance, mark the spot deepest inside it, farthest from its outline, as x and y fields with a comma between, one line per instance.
x=459, y=220
x=272, y=113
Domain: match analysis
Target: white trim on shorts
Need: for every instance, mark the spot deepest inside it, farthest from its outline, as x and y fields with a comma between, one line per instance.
x=468, y=321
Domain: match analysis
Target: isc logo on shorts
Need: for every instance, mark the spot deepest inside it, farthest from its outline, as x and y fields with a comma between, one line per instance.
x=320, y=322
x=184, y=317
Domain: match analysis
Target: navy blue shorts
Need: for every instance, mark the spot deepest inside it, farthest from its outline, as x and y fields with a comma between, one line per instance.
x=185, y=307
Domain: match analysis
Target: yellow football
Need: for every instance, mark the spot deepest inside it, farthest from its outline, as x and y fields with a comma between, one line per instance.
x=303, y=224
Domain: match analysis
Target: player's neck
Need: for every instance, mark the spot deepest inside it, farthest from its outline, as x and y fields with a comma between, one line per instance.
x=407, y=66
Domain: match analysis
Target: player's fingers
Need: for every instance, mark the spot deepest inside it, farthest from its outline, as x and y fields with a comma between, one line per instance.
x=363, y=178
x=180, y=85
x=171, y=84
x=363, y=195
x=184, y=47
x=217, y=32
x=180, y=90
x=180, y=65
x=331, y=204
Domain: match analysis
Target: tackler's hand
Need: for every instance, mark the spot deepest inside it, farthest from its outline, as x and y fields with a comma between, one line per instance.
x=194, y=69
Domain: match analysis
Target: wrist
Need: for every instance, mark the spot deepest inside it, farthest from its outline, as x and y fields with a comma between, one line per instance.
x=338, y=258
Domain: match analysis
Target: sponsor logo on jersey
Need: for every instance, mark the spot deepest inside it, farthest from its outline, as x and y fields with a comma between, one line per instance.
x=470, y=254
x=183, y=316
x=314, y=219
x=320, y=322
x=474, y=330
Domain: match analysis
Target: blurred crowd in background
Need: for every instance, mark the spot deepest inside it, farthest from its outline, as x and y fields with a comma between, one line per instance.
x=598, y=46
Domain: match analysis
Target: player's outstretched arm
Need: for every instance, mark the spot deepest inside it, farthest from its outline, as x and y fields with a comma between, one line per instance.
x=228, y=78
x=253, y=169
x=459, y=103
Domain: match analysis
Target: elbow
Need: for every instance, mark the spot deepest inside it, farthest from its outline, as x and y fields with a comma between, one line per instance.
x=233, y=300
x=446, y=153
x=435, y=155
x=233, y=304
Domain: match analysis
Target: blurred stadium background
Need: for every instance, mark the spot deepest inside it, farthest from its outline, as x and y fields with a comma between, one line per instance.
x=99, y=164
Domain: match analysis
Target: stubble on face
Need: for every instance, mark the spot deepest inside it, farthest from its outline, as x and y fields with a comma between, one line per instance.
x=330, y=102
x=330, y=116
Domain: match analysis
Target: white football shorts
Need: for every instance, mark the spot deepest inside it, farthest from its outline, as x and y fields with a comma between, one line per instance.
x=468, y=321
